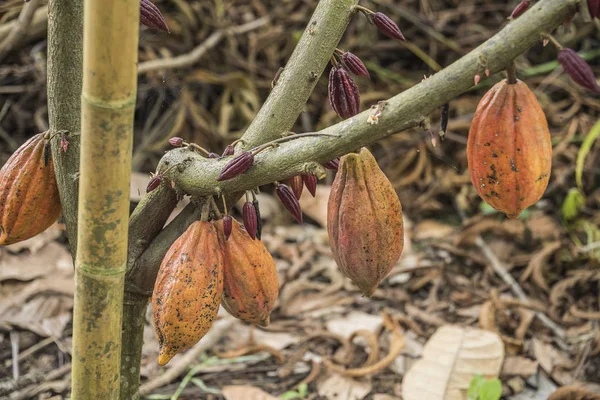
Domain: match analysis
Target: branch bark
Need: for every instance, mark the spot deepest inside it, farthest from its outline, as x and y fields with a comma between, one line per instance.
x=65, y=63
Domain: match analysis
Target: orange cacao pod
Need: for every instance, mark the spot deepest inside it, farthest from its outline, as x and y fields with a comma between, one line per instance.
x=29, y=201
x=364, y=221
x=188, y=289
x=509, y=150
x=250, y=284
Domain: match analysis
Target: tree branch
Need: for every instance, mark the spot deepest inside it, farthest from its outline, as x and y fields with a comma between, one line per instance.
x=19, y=30
x=197, y=175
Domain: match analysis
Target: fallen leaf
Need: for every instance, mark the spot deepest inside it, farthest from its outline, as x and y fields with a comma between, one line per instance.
x=336, y=386
x=432, y=229
x=451, y=357
x=52, y=260
x=246, y=393
x=573, y=392
x=519, y=366
x=355, y=320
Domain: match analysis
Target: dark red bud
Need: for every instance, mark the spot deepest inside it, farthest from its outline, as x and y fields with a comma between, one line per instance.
x=333, y=164
x=578, y=69
x=387, y=26
x=250, y=219
x=237, y=166
x=344, y=96
x=154, y=183
x=519, y=9
x=227, y=226
x=594, y=6
x=213, y=155
x=229, y=150
x=354, y=64
x=176, y=141
x=151, y=16
x=311, y=184
x=289, y=201
x=297, y=185
x=259, y=224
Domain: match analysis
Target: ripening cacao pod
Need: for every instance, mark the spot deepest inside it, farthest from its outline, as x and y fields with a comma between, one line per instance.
x=188, y=290
x=509, y=150
x=364, y=221
x=29, y=201
x=250, y=278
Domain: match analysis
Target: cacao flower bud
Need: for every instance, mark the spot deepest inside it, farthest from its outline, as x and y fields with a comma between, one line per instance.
x=250, y=220
x=213, y=155
x=355, y=64
x=188, y=290
x=578, y=69
x=29, y=201
x=289, y=201
x=509, y=150
x=175, y=141
x=259, y=224
x=519, y=9
x=311, y=184
x=364, y=221
x=151, y=16
x=344, y=95
x=154, y=183
x=332, y=164
x=297, y=185
x=594, y=7
x=237, y=166
x=227, y=224
x=387, y=26
x=251, y=285
x=229, y=150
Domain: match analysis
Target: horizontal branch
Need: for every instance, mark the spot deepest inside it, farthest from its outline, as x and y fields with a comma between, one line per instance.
x=197, y=176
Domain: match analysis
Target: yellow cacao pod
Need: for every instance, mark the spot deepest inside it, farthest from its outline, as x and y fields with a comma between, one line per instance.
x=250, y=283
x=188, y=290
x=509, y=150
x=29, y=201
x=364, y=221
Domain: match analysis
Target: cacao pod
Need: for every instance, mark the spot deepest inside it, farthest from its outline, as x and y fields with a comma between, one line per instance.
x=250, y=285
x=29, y=201
x=509, y=151
x=188, y=290
x=364, y=221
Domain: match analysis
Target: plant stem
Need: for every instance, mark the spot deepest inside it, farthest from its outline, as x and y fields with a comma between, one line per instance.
x=108, y=104
x=65, y=61
x=511, y=72
x=301, y=73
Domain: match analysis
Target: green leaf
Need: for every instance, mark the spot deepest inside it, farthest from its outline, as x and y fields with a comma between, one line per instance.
x=572, y=204
x=290, y=395
x=303, y=390
x=473, y=392
x=486, y=209
x=490, y=390
x=586, y=146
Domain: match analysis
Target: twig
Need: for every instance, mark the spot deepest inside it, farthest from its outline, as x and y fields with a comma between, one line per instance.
x=207, y=342
x=19, y=30
x=196, y=54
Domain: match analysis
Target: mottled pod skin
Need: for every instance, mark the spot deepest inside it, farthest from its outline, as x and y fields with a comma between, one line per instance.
x=250, y=279
x=509, y=150
x=364, y=221
x=188, y=290
x=29, y=201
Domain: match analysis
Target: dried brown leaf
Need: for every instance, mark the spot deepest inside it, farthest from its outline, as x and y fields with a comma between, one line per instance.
x=573, y=392
x=537, y=263
x=519, y=366
x=451, y=357
x=246, y=393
